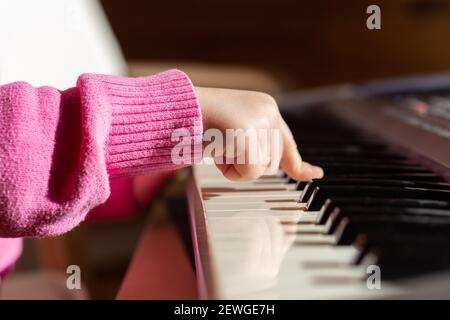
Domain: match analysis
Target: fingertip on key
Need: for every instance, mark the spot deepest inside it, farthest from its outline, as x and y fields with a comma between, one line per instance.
x=317, y=172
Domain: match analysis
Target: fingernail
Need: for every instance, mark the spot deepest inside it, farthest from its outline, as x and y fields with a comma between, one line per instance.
x=317, y=172
x=308, y=170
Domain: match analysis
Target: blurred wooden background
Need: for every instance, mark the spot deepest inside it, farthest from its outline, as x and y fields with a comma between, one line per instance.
x=303, y=43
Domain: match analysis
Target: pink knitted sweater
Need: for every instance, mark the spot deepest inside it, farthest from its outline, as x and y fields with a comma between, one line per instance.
x=58, y=149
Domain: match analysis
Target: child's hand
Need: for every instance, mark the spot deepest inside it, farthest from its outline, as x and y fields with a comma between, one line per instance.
x=238, y=109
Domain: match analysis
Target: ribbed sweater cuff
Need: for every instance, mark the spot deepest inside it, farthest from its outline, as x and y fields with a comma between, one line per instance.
x=145, y=112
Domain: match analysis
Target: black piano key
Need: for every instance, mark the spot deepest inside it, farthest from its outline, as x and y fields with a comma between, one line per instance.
x=427, y=177
x=397, y=263
x=301, y=185
x=325, y=161
x=349, y=229
x=356, y=211
x=310, y=186
x=310, y=153
x=322, y=193
x=331, y=203
x=339, y=168
x=350, y=145
x=385, y=197
x=365, y=242
x=380, y=175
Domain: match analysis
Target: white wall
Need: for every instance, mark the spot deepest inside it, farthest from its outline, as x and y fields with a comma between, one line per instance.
x=51, y=42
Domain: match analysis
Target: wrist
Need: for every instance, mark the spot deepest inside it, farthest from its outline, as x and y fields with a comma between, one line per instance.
x=203, y=99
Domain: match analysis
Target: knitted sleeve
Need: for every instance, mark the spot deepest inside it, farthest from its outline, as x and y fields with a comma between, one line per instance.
x=58, y=149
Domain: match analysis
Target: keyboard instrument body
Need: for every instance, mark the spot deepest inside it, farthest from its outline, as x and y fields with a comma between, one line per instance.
x=256, y=240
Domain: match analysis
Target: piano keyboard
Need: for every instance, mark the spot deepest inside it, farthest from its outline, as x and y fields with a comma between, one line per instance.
x=379, y=204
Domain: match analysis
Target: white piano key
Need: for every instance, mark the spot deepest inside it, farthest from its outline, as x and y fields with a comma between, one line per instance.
x=281, y=217
x=225, y=188
x=316, y=239
x=272, y=194
x=280, y=199
x=263, y=244
x=244, y=206
x=209, y=182
x=310, y=228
